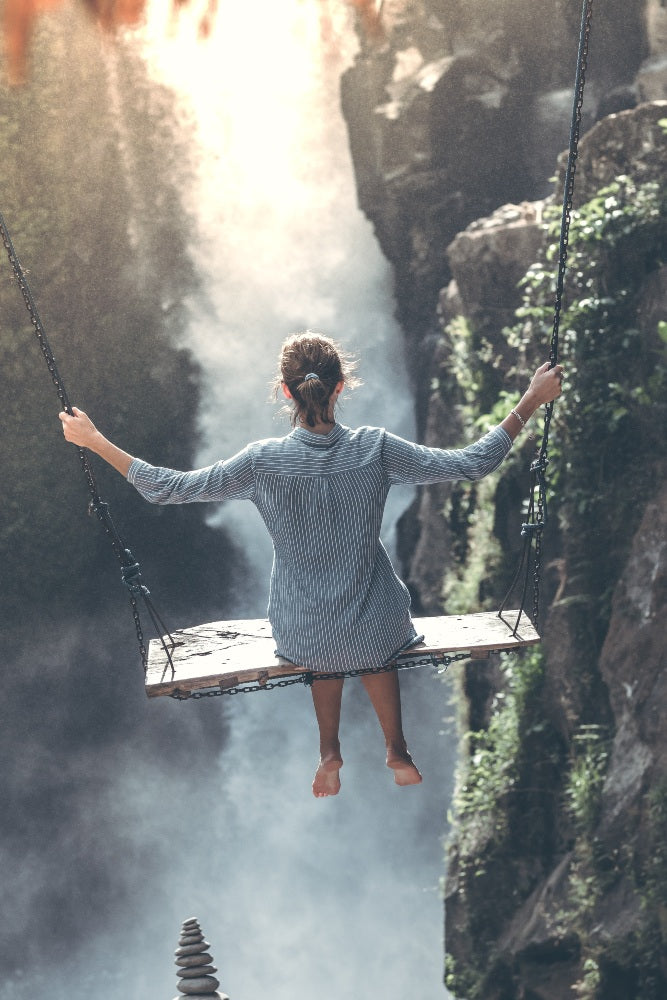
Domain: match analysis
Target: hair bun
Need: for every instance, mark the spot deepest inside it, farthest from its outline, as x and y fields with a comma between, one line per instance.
x=323, y=361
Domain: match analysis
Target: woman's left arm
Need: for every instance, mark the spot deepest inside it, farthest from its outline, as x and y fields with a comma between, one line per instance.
x=79, y=429
x=545, y=386
x=230, y=480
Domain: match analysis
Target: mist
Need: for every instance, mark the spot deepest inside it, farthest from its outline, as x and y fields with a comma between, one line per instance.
x=281, y=245
x=205, y=809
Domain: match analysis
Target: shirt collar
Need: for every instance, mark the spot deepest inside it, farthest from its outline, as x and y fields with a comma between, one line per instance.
x=319, y=440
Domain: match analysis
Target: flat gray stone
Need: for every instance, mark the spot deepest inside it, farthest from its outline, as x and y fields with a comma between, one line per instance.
x=208, y=996
x=197, y=970
x=192, y=949
x=190, y=938
x=195, y=987
x=189, y=961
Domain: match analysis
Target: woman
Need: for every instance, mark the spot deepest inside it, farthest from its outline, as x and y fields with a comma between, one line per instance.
x=335, y=604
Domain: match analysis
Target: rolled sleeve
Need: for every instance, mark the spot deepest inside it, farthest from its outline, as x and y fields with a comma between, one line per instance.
x=417, y=465
x=229, y=480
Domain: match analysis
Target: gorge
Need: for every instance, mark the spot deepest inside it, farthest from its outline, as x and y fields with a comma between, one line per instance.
x=122, y=821
x=555, y=883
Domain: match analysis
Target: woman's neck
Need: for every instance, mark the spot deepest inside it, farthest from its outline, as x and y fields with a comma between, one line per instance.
x=319, y=428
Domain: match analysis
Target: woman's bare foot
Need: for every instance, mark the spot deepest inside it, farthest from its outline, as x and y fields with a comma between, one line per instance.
x=403, y=766
x=327, y=780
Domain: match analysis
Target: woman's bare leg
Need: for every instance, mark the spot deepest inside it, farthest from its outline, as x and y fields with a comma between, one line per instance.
x=385, y=695
x=327, y=694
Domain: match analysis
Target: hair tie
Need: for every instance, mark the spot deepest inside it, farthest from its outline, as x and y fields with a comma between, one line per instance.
x=309, y=376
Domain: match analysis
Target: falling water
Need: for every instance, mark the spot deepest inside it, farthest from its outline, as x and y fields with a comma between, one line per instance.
x=282, y=246
x=309, y=898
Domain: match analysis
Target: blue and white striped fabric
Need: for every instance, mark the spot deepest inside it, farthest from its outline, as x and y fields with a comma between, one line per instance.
x=335, y=601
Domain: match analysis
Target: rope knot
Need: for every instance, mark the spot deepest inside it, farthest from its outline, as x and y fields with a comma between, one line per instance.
x=539, y=464
x=131, y=574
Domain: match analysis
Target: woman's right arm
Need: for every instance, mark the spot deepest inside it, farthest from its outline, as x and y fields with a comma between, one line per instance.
x=545, y=386
x=415, y=464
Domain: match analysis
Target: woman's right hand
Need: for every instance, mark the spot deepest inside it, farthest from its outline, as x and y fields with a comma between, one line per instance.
x=546, y=384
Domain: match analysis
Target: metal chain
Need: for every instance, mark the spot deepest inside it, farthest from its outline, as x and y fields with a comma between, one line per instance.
x=570, y=173
x=568, y=195
x=432, y=660
x=533, y=528
x=129, y=567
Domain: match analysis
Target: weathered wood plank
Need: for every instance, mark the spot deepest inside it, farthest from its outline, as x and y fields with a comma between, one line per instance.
x=224, y=654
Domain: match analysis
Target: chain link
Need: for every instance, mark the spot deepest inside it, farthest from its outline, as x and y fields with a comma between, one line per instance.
x=532, y=531
x=568, y=197
x=308, y=678
x=96, y=505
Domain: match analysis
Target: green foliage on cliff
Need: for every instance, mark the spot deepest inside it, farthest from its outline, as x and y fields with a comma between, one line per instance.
x=101, y=234
x=612, y=414
x=504, y=805
x=479, y=569
x=607, y=436
x=494, y=752
x=583, y=789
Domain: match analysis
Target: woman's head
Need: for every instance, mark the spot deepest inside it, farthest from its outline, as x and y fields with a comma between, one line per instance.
x=313, y=369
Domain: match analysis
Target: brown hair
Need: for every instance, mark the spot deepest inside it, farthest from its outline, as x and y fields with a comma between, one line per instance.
x=306, y=354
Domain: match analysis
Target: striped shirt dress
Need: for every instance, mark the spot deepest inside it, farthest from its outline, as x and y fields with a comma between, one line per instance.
x=335, y=601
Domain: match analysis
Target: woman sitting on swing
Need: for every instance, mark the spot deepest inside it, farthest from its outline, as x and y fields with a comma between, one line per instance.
x=336, y=604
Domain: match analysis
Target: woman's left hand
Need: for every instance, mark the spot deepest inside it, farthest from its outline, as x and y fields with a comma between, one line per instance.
x=78, y=428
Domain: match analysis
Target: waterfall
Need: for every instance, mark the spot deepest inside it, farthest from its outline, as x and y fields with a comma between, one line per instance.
x=309, y=898
x=281, y=244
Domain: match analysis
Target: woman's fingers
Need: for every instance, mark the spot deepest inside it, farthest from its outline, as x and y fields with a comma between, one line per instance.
x=557, y=375
x=78, y=428
x=547, y=382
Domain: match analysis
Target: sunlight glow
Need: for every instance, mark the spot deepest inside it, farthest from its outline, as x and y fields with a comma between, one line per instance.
x=245, y=88
x=254, y=59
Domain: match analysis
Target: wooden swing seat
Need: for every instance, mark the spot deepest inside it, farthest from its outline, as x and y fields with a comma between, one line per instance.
x=224, y=655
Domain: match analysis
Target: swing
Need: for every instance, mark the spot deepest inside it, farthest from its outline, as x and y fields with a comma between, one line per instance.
x=238, y=656
x=229, y=657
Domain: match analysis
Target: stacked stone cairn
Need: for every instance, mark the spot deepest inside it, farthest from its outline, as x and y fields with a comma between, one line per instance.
x=195, y=965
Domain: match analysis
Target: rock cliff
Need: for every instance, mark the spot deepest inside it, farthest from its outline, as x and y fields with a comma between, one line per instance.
x=557, y=875
x=463, y=106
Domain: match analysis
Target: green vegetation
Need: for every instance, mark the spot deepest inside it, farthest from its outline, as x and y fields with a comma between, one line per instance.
x=494, y=754
x=596, y=867
x=583, y=789
x=505, y=804
x=100, y=231
x=612, y=416
x=523, y=799
x=480, y=570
